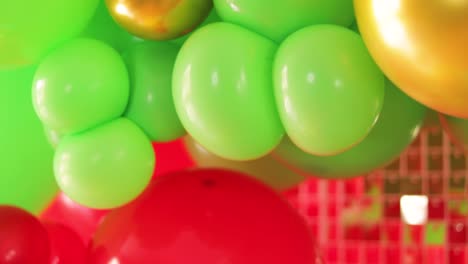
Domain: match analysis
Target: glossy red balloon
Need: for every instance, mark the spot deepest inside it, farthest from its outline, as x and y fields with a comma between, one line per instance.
x=204, y=216
x=23, y=239
x=66, y=245
x=82, y=220
x=171, y=156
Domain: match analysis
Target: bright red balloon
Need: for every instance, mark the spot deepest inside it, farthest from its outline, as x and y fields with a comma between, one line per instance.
x=82, y=220
x=66, y=245
x=204, y=216
x=171, y=156
x=23, y=239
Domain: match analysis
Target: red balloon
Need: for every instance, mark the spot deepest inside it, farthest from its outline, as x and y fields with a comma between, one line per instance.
x=171, y=156
x=23, y=239
x=67, y=247
x=204, y=216
x=82, y=220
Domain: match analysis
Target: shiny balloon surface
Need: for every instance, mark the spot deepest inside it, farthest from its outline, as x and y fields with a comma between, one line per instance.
x=204, y=216
x=159, y=19
x=23, y=239
x=421, y=46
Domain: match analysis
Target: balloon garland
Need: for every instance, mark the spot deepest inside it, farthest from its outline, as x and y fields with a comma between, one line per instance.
x=270, y=77
x=102, y=109
x=239, y=87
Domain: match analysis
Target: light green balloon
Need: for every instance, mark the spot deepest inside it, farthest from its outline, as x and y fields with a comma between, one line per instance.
x=53, y=137
x=26, y=175
x=31, y=28
x=103, y=27
x=105, y=167
x=329, y=91
x=223, y=91
x=151, y=105
x=398, y=125
x=276, y=19
x=79, y=86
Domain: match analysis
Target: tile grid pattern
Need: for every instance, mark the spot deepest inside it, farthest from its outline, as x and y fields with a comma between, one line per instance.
x=360, y=221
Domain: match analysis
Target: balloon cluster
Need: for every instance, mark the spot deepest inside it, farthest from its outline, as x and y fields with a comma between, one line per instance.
x=25, y=239
x=276, y=89
x=264, y=79
x=181, y=217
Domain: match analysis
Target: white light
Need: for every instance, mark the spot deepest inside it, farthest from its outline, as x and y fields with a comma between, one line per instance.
x=414, y=209
x=114, y=261
x=123, y=10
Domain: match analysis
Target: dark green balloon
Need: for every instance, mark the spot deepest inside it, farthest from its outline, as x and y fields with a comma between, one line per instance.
x=212, y=18
x=26, y=174
x=150, y=65
x=103, y=27
x=399, y=123
x=276, y=19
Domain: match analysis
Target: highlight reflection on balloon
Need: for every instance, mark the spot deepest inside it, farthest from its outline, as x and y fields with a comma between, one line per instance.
x=421, y=46
x=159, y=19
x=265, y=169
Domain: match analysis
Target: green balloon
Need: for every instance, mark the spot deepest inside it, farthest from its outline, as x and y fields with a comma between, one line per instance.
x=212, y=18
x=354, y=27
x=329, y=91
x=103, y=27
x=397, y=126
x=223, y=91
x=80, y=85
x=30, y=28
x=151, y=106
x=53, y=137
x=457, y=129
x=105, y=167
x=26, y=175
x=276, y=19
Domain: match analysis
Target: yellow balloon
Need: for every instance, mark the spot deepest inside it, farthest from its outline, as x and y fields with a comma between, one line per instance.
x=422, y=47
x=266, y=169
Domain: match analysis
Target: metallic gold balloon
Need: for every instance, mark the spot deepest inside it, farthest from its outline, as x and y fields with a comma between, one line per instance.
x=266, y=169
x=422, y=47
x=159, y=19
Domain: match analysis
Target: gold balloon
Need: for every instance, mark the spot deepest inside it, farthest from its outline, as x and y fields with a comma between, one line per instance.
x=159, y=19
x=265, y=169
x=422, y=46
